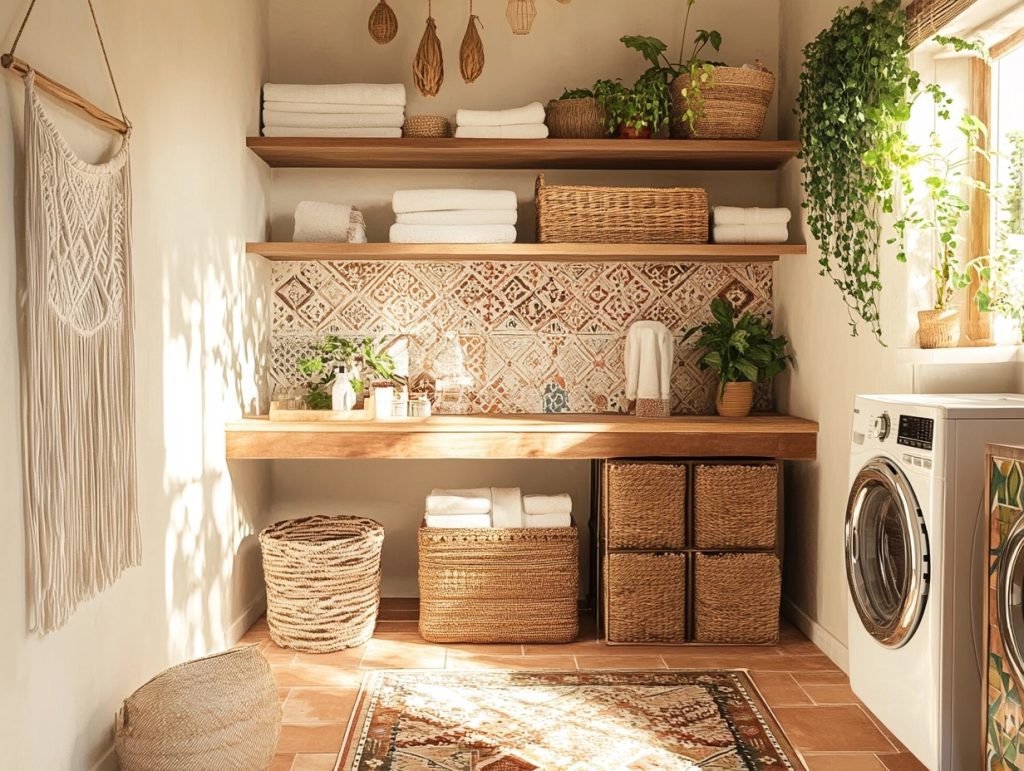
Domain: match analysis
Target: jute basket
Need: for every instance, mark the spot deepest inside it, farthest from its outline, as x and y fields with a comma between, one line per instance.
x=582, y=118
x=499, y=586
x=323, y=581
x=736, y=598
x=736, y=506
x=938, y=329
x=645, y=597
x=735, y=104
x=219, y=712
x=735, y=400
x=430, y=126
x=580, y=214
x=645, y=505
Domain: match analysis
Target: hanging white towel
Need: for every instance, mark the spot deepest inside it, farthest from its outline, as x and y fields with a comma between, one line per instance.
x=547, y=504
x=441, y=199
x=648, y=357
x=453, y=234
x=337, y=93
x=459, y=217
x=523, y=131
x=508, y=507
x=531, y=113
x=366, y=133
x=458, y=520
x=548, y=520
x=326, y=108
x=751, y=234
x=476, y=500
x=333, y=120
x=753, y=215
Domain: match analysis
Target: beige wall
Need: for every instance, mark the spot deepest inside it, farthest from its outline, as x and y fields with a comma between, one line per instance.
x=189, y=74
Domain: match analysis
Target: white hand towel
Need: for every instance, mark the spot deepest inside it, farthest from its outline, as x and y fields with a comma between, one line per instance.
x=459, y=217
x=736, y=215
x=508, y=507
x=648, y=357
x=366, y=133
x=452, y=198
x=324, y=108
x=751, y=234
x=331, y=120
x=547, y=504
x=337, y=93
x=531, y=113
x=458, y=520
x=525, y=131
x=453, y=234
x=319, y=221
x=548, y=520
x=476, y=500
x=357, y=234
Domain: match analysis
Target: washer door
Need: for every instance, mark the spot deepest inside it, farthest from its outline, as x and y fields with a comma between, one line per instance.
x=1010, y=598
x=886, y=553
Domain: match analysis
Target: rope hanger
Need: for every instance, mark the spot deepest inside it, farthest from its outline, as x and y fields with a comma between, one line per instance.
x=61, y=92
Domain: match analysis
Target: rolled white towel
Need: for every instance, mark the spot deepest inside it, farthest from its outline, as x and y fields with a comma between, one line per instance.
x=453, y=234
x=458, y=520
x=334, y=120
x=475, y=500
x=459, y=217
x=508, y=507
x=530, y=113
x=520, y=131
x=547, y=520
x=442, y=199
x=753, y=215
x=357, y=234
x=320, y=221
x=337, y=93
x=751, y=234
x=325, y=108
x=366, y=133
x=547, y=504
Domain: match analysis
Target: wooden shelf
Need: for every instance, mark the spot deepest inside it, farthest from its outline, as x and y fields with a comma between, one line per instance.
x=656, y=154
x=526, y=436
x=294, y=251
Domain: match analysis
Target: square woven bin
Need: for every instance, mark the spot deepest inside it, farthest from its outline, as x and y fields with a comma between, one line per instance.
x=645, y=505
x=736, y=598
x=499, y=586
x=736, y=506
x=645, y=597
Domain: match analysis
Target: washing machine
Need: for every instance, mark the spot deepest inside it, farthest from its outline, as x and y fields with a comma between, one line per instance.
x=915, y=547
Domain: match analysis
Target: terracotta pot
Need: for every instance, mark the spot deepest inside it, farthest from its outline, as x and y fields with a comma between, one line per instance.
x=735, y=400
x=629, y=132
x=938, y=329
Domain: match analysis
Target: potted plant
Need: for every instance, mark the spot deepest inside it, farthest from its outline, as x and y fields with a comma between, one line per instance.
x=638, y=112
x=577, y=114
x=744, y=351
x=321, y=364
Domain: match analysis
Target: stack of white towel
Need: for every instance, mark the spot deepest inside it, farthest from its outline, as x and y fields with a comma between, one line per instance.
x=322, y=222
x=454, y=216
x=735, y=225
x=333, y=110
x=498, y=507
x=518, y=123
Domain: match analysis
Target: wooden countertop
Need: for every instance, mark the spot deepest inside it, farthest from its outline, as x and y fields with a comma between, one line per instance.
x=526, y=436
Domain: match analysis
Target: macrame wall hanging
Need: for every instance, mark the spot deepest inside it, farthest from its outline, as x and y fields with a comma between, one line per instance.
x=471, y=53
x=428, y=66
x=82, y=527
x=383, y=23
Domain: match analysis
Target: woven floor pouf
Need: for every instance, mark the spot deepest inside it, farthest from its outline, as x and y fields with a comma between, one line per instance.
x=323, y=581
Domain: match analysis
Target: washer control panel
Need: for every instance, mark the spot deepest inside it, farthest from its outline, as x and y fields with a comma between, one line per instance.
x=880, y=427
x=915, y=432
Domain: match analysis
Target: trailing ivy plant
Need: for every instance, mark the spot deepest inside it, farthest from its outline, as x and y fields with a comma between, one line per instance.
x=647, y=105
x=1015, y=189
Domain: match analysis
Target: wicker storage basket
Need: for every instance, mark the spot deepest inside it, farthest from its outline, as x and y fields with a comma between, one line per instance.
x=583, y=118
x=734, y=107
x=645, y=505
x=323, y=581
x=736, y=506
x=736, y=598
x=219, y=712
x=428, y=126
x=579, y=214
x=645, y=597
x=499, y=586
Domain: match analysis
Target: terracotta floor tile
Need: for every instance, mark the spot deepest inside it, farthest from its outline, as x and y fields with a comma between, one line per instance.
x=839, y=729
x=779, y=689
x=278, y=655
x=319, y=705
x=902, y=762
x=314, y=738
x=282, y=762
x=296, y=675
x=385, y=625
x=768, y=662
x=581, y=647
x=345, y=658
x=401, y=654
x=522, y=663
x=318, y=762
x=843, y=762
x=837, y=677
x=495, y=649
x=636, y=661
x=831, y=694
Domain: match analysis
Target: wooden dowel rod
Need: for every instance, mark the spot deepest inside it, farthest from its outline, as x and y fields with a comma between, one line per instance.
x=65, y=94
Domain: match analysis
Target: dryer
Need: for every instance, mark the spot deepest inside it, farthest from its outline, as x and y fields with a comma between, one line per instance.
x=915, y=546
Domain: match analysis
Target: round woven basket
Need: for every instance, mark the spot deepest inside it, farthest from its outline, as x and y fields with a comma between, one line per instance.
x=217, y=712
x=323, y=581
x=735, y=105
x=576, y=119
x=431, y=126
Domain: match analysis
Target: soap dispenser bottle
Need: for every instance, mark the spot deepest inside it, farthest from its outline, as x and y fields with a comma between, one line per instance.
x=343, y=396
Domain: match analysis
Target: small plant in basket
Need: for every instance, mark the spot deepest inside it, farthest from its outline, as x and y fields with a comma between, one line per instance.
x=320, y=365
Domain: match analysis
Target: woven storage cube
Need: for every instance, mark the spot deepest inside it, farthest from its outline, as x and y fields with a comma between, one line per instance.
x=581, y=214
x=645, y=505
x=431, y=126
x=323, y=581
x=736, y=506
x=645, y=597
x=736, y=598
x=734, y=106
x=499, y=586
x=218, y=712
x=582, y=118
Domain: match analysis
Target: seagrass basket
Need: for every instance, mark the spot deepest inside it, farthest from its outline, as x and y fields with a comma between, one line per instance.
x=218, y=712
x=323, y=581
x=645, y=505
x=428, y=126
x=736, y=506
x=582, y=118
x=645, y=597
x=736, y=598
x=499, y=585
x=582, y=214
x=735, y=104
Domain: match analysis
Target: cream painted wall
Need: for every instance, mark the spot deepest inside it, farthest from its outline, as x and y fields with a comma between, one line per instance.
x=189, y=74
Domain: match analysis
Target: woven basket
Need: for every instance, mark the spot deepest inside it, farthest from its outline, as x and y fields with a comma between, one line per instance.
x=736, y=598
x=938, y=329
x=645, y=597
x=736, y=506
x=579, y=214
x=433, y=126
x=219, y=712
x=645, y=505
x=323, y=581
x=734, y=105
x=583, y=118
x=499, y=586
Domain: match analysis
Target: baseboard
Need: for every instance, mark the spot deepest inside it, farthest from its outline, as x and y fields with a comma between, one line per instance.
x=247, y=617
x=817, y=634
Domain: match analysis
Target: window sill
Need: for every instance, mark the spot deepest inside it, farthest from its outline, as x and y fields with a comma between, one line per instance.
x=982, y=354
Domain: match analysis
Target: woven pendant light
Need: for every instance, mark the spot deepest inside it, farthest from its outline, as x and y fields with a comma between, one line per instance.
x=383, y=23
x=471, y=54
x=428, y=66
x=520, y=15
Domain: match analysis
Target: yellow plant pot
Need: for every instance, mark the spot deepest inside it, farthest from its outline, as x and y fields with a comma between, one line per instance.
x=735, y=400
x=938, y=329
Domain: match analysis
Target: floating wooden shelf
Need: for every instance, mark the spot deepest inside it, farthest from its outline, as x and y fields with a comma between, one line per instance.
x=527, y=436
x=290, y=251
x=658, y=154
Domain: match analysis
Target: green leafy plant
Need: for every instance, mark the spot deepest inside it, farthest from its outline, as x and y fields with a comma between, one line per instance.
x=1014, y=209
x=320, y=364
x=647, y=105
x=577, y=93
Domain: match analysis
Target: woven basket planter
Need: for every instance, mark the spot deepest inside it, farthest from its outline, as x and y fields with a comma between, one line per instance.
x=734, y=105
x=583, y=118
x=219, y=712
x=428, y=126
x=645, y=598
x=323, y=581
x=938, y=329
x=736, y=506
x=736, y=598
x=580, y=214
x=499, y=586
x=645, y=505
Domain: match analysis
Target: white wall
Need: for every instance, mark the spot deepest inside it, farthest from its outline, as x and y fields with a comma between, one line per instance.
x=189, y=74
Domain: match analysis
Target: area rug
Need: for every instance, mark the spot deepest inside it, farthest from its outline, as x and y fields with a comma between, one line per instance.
x=518, y=721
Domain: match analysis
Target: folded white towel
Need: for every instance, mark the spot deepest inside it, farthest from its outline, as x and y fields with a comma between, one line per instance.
x=459, y=217
x=334, y=120
x=531, y=113
x=357, y=234
x=325, y=108
x=736, y=215
x=320, y=222
x=648, y=357
x=751, y=234
x=453, y=234
x=508, y=507
x=523, y=131
x=547, y=504
x=458, y=520
x=547, y=520
x=368, y=133
x=442, y=199
x=475, y=500
x=337, y=93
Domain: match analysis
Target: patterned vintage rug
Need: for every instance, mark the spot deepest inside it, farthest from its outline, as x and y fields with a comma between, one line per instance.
x=517, y=721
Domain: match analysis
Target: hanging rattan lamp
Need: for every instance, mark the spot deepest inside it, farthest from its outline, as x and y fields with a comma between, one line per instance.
x=520, y=15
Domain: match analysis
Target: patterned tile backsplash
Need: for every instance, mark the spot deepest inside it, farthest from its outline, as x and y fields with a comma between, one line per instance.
x=538, y=336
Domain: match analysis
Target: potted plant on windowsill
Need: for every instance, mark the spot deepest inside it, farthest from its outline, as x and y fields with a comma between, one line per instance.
x=744, y=351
